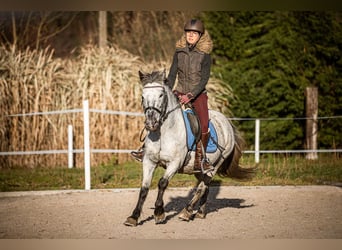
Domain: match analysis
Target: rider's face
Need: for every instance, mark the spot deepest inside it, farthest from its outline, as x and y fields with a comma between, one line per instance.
x=192, y=37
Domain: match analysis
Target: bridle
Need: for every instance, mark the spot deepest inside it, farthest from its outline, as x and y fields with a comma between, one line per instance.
x=162, y=111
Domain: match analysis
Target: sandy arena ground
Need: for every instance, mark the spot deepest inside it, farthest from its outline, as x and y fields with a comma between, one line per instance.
x=277, y=212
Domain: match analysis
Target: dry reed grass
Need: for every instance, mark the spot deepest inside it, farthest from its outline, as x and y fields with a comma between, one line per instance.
x=35, y=81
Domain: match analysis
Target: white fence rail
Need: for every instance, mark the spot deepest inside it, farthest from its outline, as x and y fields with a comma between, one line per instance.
x=87, y=150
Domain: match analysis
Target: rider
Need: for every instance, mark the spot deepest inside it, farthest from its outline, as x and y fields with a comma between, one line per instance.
x=191, y=63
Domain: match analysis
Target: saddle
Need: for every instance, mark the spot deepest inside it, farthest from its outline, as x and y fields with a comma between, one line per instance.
x=193, y=135
x=193, y=131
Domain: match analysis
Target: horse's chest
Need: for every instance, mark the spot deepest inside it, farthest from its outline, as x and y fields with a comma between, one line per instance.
x=164, y=150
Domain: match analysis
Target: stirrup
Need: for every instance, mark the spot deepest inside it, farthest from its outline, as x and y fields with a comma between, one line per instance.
x=206, y=171
x=202, y=170
x=138, y=155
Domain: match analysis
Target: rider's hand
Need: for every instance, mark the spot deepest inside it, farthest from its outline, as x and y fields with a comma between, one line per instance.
x=184, y=99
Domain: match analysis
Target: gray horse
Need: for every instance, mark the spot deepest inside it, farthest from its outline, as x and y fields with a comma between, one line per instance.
x=166, y=146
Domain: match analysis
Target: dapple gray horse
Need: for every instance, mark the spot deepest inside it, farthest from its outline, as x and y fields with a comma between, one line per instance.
x=166, y=146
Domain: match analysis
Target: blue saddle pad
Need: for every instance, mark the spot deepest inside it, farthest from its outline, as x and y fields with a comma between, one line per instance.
x=212, y=146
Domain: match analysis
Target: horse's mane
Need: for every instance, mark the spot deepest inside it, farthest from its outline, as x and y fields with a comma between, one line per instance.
x=155, y=76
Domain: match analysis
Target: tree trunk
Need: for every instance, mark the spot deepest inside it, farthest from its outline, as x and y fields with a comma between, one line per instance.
x=102, y=29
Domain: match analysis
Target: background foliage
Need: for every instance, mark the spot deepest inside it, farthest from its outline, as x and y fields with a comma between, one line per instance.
x=269, y=58
x=262, y=63
x=35, y=77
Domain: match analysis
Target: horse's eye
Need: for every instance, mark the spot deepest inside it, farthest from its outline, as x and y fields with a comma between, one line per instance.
x=161, y=95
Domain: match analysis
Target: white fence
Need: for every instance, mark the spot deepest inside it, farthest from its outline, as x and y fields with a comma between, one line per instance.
x=257, y=150
x=87, y=150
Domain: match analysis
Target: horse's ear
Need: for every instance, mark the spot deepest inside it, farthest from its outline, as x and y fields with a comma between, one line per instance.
x=143, y=78
x=166, y=80
x=164, y=75
x=141, y=75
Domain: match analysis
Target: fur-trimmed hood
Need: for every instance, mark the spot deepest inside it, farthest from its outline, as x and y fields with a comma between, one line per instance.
x=205, y=44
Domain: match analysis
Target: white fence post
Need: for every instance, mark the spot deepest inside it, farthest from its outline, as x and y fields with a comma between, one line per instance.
x=257, y=140
x=86, y=144
x=70, y=147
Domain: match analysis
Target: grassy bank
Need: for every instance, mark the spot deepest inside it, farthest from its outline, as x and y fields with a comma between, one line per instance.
x=272, y=170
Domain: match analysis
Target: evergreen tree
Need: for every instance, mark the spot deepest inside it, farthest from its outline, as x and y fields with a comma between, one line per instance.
x=321, y=66
x=268, y=59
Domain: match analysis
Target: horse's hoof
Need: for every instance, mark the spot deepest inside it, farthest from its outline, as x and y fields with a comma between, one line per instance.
x=200, y=215
x=185, y=215
x=131, y=222
x=159, y=219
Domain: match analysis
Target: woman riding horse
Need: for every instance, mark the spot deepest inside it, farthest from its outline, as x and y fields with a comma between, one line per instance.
x=166, y=145
x=192, y=62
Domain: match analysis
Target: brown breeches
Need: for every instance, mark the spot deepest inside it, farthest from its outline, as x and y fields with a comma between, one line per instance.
x=200, y=105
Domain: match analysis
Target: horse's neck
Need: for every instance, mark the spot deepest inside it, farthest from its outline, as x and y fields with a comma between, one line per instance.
x=172, y=101
x=174, y=118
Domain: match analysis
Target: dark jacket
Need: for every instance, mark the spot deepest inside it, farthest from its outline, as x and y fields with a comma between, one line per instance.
x=191, y=65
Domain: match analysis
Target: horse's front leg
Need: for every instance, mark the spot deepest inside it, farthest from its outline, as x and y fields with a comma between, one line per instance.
x=133, y=219
x=148, y=169
x=159, y=212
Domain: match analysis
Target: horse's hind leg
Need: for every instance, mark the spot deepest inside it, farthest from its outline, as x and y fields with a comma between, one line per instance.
x=186, y=213
x=201, y=194
x=201, y=213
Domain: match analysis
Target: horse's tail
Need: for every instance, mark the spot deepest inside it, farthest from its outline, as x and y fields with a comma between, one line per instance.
x=231, y=167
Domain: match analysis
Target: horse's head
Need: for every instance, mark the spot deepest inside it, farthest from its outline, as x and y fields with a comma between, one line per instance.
x=154, y=98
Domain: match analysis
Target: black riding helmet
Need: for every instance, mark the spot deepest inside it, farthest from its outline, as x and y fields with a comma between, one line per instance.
x=194, y=25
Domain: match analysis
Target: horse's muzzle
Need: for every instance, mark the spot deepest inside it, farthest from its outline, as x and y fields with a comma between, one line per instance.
x=152, y=120
x=151, y=125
